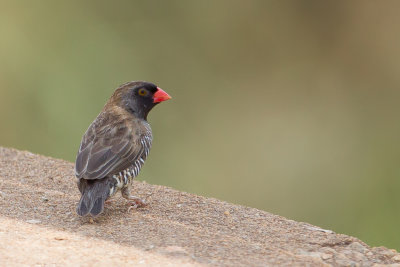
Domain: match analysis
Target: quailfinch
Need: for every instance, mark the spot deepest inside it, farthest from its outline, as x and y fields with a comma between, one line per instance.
x=115, y=146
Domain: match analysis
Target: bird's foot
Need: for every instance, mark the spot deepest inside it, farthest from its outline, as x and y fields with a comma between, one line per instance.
x=108, y=201
x=136, y=202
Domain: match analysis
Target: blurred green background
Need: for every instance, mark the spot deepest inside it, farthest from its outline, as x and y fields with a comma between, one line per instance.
x=287, y=106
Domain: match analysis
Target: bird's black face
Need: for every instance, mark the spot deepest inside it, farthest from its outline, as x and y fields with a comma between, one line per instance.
x=143, y=96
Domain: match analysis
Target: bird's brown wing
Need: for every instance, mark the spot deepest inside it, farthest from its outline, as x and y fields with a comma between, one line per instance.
x=109, y=150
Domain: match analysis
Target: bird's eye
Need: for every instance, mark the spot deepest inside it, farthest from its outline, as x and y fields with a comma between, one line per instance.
x=143, y=92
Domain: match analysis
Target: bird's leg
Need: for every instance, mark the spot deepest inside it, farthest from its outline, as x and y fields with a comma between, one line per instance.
x=134, y=201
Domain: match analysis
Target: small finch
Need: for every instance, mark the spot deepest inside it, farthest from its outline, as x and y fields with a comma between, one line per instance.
x=115, y=146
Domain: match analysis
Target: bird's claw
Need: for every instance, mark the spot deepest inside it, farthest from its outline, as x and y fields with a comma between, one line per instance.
x=108, y=201
x=136, y=202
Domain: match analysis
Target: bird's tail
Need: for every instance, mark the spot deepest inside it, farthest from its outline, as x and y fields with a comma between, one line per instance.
x=94, y=194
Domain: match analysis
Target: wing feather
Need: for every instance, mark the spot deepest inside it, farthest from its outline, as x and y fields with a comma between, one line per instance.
x=109, y=150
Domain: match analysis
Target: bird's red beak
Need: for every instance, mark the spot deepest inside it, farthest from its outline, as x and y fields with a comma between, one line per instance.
x=160, y=95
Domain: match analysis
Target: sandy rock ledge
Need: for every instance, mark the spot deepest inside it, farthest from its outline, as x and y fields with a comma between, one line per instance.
x=38, y=226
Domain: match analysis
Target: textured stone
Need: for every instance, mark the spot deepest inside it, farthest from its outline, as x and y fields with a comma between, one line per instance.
x=40, y=227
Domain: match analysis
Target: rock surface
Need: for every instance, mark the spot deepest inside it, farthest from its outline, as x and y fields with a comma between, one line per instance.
x=38, y=226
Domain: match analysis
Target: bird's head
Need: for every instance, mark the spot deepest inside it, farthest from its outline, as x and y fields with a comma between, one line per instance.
x=138, y=97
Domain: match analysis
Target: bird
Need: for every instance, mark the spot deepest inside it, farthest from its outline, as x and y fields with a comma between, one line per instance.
x=115, y=146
